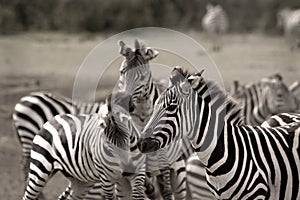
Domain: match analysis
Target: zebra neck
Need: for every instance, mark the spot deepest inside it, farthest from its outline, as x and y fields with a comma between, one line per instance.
x=215, y=113
x=146, y=95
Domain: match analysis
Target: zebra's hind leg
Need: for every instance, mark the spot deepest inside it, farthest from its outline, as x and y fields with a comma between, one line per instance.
x=25, y=163
x=37, y=179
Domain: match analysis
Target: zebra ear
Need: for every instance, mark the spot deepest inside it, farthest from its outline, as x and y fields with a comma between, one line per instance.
x=185, y=86
x=150, y=53
x=124, y=50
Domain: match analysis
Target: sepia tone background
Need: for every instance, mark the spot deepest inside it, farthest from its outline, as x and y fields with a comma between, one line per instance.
x=43, y=43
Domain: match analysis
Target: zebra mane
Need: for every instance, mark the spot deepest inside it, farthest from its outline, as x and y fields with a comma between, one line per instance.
x=115, y=131
x=213, y=90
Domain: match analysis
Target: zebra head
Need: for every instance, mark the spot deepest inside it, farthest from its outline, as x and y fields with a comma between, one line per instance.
x=135, y=71
x=118, y=125
x=171, y=119
x=277, y=95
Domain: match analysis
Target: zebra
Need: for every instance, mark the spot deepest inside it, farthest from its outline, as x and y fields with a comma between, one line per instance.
x=137, y=84
x=88, y=149
x=215, y=23
x=262, y=99
x=241, y=161
x=35, y=109
x=275, y=90
x=289, y=20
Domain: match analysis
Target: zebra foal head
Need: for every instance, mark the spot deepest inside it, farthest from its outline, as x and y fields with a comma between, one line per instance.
x=135, y=70
x=117, y=123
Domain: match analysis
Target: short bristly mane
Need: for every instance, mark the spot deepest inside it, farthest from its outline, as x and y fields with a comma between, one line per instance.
x=214, y=91
x=115, y=131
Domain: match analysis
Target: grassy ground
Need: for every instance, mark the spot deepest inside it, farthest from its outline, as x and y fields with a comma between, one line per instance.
x=45, y=61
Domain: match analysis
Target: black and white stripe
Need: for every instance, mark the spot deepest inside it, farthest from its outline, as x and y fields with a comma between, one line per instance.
x=254, y=97
x=281, y=119
x=35, y=109
x=242, y=161
x=215, y=23
x=137, y=82
x=289, y=20
x=88, y=150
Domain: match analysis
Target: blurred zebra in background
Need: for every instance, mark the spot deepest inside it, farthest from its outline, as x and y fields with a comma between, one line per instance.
x=262, y=99
x=136, y=82
x=215, y=23
x=289, y=20
x=88, y=149
x=241, y=161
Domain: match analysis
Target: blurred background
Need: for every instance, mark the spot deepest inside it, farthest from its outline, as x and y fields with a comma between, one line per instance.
x=74, y=16
x=43, y=43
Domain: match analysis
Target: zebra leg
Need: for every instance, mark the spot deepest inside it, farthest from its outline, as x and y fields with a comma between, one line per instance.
x=25, y=163
x=95, y=192
x=37, y=180
x=150, y=191
x=79, y=189
x=123, y=188
x=66, y=194
x=137, y=183
x=178, y=180
x=108, y=188
x=164, y=181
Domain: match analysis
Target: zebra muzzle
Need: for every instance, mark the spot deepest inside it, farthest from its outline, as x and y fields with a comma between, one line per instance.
x=147, y=145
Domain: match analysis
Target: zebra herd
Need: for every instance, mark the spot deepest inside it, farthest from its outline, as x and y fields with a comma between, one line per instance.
x=215, y=22
x=100, y=147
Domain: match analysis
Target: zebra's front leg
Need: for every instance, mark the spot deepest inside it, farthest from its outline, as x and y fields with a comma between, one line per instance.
x=123, y=188
x=25, y=164
x=77, y=190
x=66, y=194
x=164, y=181
x=137, y=183
x=150, y=190
x=108, y=188
x=178, y=179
